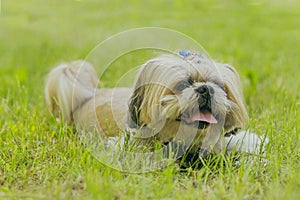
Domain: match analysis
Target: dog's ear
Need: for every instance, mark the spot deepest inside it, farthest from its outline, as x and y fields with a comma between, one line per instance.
x=237, y=116
x=135, y=104
x=137, y=98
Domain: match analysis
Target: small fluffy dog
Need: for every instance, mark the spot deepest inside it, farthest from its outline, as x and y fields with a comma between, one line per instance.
x=184, y=98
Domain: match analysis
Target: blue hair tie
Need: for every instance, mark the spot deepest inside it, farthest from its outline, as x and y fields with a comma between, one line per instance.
x=184, y=53
x=187, y=53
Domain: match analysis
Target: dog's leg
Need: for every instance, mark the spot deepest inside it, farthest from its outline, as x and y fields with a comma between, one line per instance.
x=246, y=141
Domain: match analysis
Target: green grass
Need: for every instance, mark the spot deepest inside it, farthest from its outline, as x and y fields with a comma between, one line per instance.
x=41, y=159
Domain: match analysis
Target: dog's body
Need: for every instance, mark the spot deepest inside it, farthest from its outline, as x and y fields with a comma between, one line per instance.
x=189, y=99
x=74, y=97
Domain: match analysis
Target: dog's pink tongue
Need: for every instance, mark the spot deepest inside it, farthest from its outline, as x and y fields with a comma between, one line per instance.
x=204, y=116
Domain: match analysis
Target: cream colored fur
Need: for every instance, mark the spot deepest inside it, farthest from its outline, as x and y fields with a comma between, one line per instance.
x=154, y=103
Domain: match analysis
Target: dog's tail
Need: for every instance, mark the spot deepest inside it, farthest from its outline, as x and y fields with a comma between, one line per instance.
x=68, y=86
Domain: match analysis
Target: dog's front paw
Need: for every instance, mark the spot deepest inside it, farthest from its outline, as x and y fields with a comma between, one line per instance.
x=248, y=142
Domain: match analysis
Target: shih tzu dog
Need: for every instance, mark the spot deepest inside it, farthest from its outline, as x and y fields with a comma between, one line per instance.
x=183, y=98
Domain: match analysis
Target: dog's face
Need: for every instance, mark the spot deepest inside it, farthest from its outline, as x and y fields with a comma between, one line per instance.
x=193, y=94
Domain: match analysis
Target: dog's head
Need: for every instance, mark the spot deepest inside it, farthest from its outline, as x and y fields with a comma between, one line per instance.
x=175, y=91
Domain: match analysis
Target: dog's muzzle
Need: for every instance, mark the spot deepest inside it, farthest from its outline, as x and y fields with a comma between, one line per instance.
x=201, y=117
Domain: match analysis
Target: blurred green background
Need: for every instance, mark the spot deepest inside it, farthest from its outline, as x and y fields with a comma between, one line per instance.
x=261, y=38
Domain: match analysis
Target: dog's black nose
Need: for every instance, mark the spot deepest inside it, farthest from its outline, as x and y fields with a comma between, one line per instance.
x=205, y=90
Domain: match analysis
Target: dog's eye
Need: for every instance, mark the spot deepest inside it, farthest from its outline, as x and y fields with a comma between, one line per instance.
x=182, y=85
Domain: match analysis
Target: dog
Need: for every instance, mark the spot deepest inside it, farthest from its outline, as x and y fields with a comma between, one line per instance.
x=181, y=98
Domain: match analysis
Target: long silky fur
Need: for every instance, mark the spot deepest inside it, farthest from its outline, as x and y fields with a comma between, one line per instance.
x=153, y=103
x=60, y=93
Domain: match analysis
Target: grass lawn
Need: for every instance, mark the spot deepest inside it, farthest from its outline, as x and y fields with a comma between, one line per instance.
x=42, y=159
